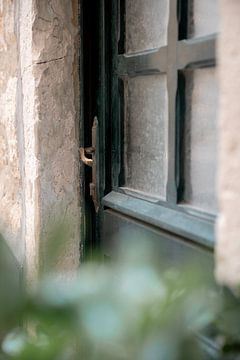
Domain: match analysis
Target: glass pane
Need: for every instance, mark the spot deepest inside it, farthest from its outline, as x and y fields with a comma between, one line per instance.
x=145, y=134
x=204, y=17
x=201, y=139
x=146, y=24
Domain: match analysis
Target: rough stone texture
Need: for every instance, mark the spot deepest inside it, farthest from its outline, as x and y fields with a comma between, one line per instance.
x=39, y=98
x=10, y=173
x=228, y=245
x=54, y=52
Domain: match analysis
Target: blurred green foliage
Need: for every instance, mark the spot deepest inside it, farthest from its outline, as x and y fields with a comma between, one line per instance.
x=121, y=311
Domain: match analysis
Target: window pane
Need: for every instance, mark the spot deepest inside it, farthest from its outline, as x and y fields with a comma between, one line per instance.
x=201, y=139
x=145, y=134
x=146, y=24
x=204, y=17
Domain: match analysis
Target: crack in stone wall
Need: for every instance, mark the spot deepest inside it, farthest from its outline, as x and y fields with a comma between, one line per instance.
x=39, y=162
x=57, y=136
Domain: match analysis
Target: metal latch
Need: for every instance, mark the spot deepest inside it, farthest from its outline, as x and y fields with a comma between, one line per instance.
x=92, y=162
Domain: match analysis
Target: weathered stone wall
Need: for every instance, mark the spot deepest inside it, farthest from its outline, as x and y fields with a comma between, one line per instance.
x=55, y=58
x=10, y=169
x=39, y=97
x=228, y=232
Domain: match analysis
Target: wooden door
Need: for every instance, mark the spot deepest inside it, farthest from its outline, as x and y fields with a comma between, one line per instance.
x=155, y=95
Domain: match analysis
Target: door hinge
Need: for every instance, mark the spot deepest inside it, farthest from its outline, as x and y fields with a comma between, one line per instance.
x=92, y=162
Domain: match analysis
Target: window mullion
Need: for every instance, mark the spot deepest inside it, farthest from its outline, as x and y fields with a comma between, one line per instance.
x=172, y=91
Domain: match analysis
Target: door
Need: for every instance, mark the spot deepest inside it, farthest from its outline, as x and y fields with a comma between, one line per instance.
x=156, y=95
x=150, y=79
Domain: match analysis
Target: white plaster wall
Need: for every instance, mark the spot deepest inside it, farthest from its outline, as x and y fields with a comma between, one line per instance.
x=228, y=230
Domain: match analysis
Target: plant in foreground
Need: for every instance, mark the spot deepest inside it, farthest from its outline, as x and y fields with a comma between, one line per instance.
x=126, y=310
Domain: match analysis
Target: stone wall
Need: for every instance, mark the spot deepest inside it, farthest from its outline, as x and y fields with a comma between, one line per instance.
x=55, y=71
x=39, y=97
x=11, y=194
x=228, y=231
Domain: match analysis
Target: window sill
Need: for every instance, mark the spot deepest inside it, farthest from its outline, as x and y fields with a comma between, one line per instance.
x=198, y=230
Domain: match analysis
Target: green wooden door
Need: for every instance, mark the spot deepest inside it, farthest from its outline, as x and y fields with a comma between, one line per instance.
x=155, y=95
x=153, y=88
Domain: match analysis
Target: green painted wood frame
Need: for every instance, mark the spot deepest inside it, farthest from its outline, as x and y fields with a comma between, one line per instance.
x=180, y=54
x=111, y=65
x=94, y=101
x=180, y=231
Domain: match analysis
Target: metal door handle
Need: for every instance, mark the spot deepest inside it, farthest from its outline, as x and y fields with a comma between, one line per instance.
x=92, y=163
x=83, y=158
